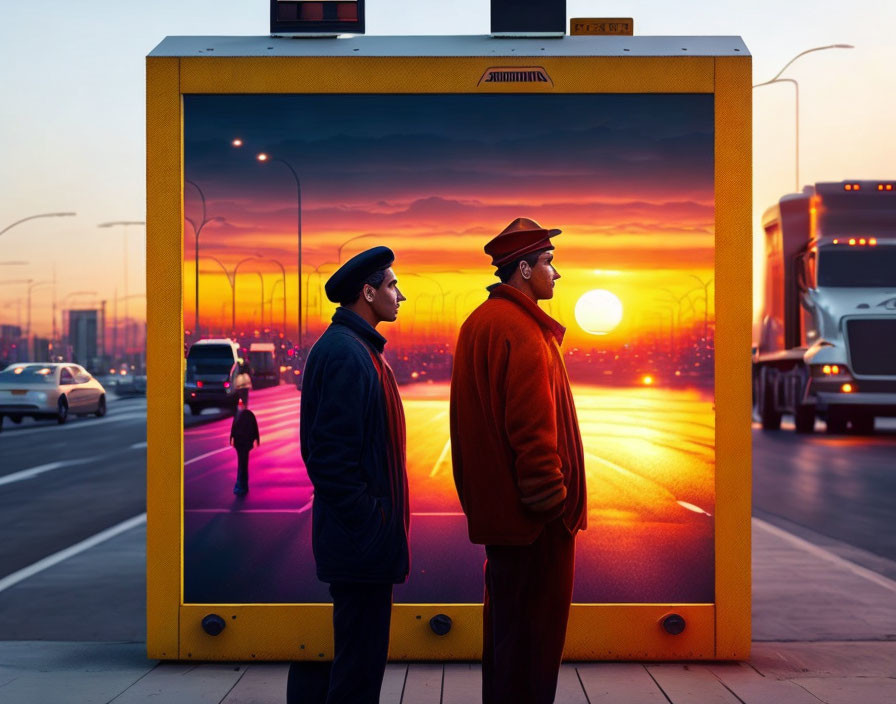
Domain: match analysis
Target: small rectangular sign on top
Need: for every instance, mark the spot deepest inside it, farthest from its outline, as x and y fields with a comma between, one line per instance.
x=595, y=26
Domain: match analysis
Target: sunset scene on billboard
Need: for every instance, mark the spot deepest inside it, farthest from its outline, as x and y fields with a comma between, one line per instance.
x=280, y=190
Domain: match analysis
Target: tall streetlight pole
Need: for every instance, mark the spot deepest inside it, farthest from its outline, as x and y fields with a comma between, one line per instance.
x=33, y=217
x=125, y=224
x=233, y=286
x=262, y=157
x=196, y=230
x=233, y=298
x=796, y=88
x=283, y=273
x=31, y=287
x=320, y=295
x=20, y=281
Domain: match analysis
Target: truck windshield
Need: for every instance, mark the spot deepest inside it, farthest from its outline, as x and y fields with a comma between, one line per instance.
x=865, y=267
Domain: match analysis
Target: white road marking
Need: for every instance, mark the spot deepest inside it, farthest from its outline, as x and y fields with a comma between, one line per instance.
x=40, y=469
x=208, y=454
x=692, y=507
x=54, y=559
x=79, y=424
x=138, y=445
x=812, y=549
x=441, y=459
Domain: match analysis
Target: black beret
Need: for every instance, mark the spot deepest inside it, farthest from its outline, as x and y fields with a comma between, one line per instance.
x=345, y=284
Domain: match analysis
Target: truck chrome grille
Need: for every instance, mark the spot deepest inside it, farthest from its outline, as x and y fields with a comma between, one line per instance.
x=872, y=345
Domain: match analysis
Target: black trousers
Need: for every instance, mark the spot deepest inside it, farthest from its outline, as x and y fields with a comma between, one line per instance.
x=362, y=614
x=242, y=467
x=528, y=590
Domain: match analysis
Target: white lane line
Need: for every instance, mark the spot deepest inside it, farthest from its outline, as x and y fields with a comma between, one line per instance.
x=208, y=454
x=441, y=459
x=817, y=551
x=54, y=559
x=138, y=446
x=40, y=469
x=80, y=424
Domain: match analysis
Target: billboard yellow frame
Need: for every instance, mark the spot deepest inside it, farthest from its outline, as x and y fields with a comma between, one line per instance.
x=221, y=65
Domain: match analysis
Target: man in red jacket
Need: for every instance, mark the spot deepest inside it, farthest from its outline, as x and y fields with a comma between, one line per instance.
x=519, y=467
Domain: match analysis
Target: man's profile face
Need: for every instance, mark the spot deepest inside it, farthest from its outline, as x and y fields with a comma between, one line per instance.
x=542, y=276
x=386, y=298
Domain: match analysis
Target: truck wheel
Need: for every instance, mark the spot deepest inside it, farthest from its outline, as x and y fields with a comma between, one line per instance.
x=835, y=421
x=804, y=419
x=863, y=424
x=770, y=417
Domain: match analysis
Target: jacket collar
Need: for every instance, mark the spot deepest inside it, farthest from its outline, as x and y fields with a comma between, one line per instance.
x=357, y=324
x=546, y=322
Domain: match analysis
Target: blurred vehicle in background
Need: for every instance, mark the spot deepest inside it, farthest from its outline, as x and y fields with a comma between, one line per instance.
x=53, y=390
x=216, y=376
x=827, y=338
x=263, y=367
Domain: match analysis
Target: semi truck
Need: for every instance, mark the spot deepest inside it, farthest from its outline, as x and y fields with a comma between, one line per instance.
x=826, y=344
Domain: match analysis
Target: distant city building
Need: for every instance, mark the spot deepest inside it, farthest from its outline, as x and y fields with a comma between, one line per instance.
x=40, y=350
x=12, y=347
x=10, y=333
x=83, y=329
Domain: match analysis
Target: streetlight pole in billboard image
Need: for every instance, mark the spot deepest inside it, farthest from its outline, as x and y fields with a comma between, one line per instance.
x=263, y=157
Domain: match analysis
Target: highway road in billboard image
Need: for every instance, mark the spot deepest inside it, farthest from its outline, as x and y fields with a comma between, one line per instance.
x=650, y=479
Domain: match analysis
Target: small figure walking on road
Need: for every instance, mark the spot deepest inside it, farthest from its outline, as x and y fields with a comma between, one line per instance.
x=243, y=435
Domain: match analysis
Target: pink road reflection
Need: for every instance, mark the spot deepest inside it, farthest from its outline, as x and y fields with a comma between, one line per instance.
x=650, y=467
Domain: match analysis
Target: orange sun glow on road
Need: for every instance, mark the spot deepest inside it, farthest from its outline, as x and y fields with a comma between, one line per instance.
x=598, y=311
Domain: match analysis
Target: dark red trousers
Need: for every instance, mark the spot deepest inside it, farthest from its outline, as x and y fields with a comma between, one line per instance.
x=528, y=590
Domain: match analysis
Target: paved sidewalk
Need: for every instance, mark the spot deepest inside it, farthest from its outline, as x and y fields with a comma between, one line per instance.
x=824, y=631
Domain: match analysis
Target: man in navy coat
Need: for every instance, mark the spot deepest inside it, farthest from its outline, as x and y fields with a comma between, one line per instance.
x=353, y=444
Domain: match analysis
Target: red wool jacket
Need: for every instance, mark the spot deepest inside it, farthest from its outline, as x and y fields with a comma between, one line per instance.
x=515, y=441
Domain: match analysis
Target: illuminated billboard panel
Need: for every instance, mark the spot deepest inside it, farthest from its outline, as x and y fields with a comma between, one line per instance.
x=275, y=182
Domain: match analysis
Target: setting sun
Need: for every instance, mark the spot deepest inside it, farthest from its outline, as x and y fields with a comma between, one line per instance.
x=598, y=311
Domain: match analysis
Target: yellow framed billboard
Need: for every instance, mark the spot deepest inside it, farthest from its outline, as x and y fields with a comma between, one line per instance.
x=270, y=162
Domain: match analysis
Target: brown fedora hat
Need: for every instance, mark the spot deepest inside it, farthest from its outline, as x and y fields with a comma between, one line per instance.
x=521, y=237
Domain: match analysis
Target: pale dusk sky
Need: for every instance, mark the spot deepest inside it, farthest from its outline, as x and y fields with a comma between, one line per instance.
x=72, y=114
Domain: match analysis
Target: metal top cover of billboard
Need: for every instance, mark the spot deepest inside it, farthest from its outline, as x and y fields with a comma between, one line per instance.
x=317, y=17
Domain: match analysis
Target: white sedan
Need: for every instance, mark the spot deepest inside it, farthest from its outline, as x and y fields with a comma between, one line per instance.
x=39, y=390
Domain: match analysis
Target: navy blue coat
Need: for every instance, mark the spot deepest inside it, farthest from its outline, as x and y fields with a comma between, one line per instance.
x=357, y=535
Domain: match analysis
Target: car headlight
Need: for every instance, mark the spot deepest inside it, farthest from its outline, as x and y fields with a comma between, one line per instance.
x=40, y=395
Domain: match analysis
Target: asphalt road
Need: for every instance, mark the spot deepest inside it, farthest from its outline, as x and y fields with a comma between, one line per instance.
x=840, y=487
x=649, y=471
x=62, y=484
